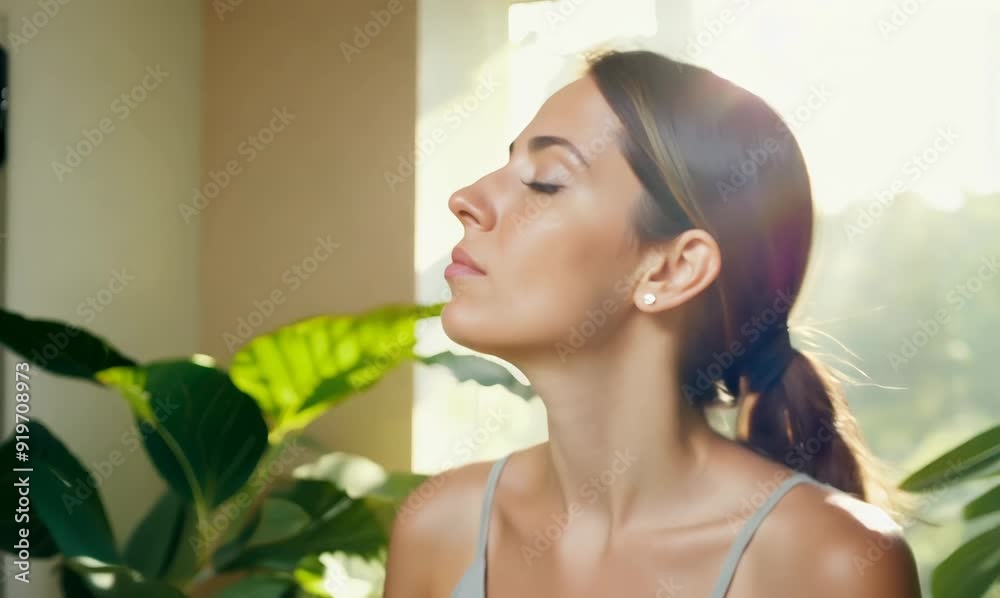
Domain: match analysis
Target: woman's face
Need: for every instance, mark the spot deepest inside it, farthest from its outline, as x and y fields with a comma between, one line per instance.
x=551, y=231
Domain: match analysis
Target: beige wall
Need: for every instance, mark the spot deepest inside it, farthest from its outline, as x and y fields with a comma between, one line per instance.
x=321, y=175
x=125, y=205
x=116, y=210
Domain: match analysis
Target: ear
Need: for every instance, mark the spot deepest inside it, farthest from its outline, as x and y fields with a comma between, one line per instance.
x=676, y=271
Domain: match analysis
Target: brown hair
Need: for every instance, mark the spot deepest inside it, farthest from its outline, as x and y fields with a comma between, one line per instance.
x=711, y=155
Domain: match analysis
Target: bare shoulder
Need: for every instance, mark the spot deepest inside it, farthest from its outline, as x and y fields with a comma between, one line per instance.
x=436, y=525
x=838, y=545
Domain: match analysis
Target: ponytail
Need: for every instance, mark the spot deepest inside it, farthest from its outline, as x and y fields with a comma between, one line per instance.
x=792, y=411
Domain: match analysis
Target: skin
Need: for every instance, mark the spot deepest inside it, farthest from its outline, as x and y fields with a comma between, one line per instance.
x=680, y=490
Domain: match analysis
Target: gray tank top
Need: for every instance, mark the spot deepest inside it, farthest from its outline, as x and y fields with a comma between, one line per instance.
x=473, y=581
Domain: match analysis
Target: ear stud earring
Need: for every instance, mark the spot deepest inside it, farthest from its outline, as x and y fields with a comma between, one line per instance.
x=649, y=298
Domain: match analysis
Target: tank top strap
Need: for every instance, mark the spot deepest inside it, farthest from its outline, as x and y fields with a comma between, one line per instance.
x=484, y=516
x=749, y=528
x=473, y=582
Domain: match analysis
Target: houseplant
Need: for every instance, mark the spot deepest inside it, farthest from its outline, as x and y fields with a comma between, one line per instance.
x=973, y=567
x=235, y=519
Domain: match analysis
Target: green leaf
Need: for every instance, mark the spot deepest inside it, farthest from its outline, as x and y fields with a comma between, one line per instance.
x=364, y=480
x=58, y=347
x=311, y=443
x=103, y=580
x=260, y=586
x=189, y=550
x=64, y=498
x=310, y=577
x=983, y=505
x=338, y=574
x=156, y=539
x=241, y=532
x=337, y=522
x=970, y=570
x=279, y=519
x=478, y=369
x=244, y=510
x=203, y=434
x=40, y=538
x=357, y=475
x=73, y=584
x=304, y=368
x=973, y=457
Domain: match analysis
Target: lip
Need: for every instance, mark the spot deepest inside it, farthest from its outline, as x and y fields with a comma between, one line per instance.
x=462, y=264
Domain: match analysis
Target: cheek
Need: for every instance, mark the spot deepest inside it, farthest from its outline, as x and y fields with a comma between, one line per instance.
x=574, y=230
x=558, y=263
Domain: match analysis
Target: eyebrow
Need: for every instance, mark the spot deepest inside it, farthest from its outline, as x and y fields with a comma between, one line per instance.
x=541, y=142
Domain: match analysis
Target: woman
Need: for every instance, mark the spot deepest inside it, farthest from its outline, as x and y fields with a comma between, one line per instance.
x=637, y=258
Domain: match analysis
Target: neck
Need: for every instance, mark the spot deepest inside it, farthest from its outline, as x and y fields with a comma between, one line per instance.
x=623, y=439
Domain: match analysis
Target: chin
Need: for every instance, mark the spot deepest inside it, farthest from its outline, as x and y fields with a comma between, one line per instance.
x=486, y=332
x=462, y=326
x=470, y=327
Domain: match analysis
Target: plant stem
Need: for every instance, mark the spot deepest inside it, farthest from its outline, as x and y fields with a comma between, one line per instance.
x=205, y=568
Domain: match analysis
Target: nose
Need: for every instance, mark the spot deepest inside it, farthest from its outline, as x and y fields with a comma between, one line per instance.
x=470, y=206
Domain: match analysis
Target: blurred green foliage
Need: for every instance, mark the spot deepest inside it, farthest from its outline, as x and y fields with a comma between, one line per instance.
x=913, y=296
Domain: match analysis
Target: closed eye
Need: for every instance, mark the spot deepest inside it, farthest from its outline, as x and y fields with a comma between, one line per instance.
x=546, y=188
